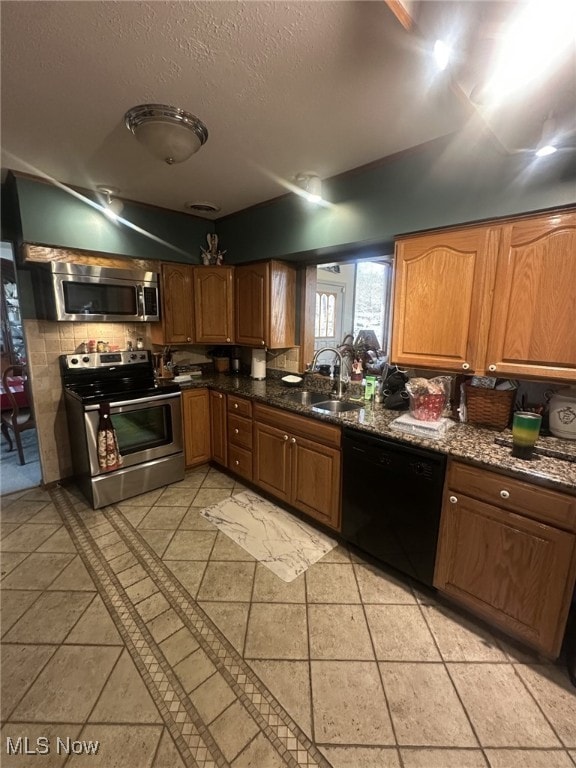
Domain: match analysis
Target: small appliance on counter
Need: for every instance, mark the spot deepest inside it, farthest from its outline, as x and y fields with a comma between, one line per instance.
x=562, y=413
x=258, y=370
x=235, y=361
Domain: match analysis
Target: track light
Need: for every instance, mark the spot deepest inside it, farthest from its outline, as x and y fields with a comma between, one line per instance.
x=311, y=186
x=113, y=206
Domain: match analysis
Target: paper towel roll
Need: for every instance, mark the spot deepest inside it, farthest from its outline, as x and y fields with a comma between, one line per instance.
x=258, y=364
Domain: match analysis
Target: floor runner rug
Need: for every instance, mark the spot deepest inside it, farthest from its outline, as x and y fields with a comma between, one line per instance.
x=280, y=541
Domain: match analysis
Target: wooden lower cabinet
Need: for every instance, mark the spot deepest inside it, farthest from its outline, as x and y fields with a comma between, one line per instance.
x=512, y=570
x=218, y=431
x=196, y=420
x=297, y=466
x=240, y=436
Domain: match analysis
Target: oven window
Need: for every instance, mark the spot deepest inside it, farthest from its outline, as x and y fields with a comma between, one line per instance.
x=138, y=430
x=100, y=299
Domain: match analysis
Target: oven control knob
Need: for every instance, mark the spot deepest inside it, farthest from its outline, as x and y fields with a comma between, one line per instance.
x=85, y=359
x=143, y=357
x=133, y=357
x=74, y=361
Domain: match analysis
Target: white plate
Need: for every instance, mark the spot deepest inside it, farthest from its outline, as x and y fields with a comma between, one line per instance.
x=292, y=380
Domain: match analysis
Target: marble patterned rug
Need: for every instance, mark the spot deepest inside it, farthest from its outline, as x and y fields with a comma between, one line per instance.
x=277, y=539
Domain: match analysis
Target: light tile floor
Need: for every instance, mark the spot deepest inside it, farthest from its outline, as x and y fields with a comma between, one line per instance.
x=144, y=628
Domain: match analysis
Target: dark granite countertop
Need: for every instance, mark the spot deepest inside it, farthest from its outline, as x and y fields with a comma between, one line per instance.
x=463, y=441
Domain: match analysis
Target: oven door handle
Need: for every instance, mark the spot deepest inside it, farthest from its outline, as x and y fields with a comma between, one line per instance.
x=148, y=400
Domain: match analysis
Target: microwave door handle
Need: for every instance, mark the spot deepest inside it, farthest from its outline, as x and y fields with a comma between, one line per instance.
x=141, y=306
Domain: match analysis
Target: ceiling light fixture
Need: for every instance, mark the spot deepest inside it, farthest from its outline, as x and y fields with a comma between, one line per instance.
x=202, y=207
x=547, y=143
x=442, y=53
x=311, y=186
x=169, y=133
x=113, y=206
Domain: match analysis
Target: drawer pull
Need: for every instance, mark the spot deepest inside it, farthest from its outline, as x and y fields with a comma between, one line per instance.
x=465, y=366
x=236, y=430
x=285, y=437
x=237, y=462
x=492, y=368
x=505, y=494
x=235, y=405
x=292, y=439
x=453, y=499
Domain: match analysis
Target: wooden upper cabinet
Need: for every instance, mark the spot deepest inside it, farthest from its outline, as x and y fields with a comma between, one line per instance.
x=266, y=304
x=213, y=305
x=439, y=318
x=177, y=323
x=533, y=327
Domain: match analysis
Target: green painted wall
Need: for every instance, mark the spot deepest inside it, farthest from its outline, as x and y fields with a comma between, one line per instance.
x=438, y=184
x=50, y=215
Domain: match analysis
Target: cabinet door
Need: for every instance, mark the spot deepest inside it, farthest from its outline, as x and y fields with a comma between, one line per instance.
x=196, y=416
x=533, y=322
x=316, y=480
x=213, y=309
x=177, y=325
x=218, y=427
x=514, y=572
x=252, y=304
x=439, y=320
x=272, y=460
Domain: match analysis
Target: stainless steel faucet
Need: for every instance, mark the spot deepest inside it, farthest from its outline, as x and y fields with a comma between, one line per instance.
x=339, y=383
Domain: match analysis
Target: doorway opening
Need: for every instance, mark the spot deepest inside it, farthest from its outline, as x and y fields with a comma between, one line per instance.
x=13, y=475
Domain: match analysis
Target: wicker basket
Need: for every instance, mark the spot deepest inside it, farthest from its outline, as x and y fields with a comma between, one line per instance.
x=489, y=407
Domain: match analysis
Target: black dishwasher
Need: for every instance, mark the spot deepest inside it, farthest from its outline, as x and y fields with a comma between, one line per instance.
x=391, y=501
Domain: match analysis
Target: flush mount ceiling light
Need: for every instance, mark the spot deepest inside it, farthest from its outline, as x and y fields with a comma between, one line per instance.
x=113, y=206
x=311, y=186
x=169, y=133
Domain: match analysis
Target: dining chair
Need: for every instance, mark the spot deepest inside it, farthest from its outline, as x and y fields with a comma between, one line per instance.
x=20, y=415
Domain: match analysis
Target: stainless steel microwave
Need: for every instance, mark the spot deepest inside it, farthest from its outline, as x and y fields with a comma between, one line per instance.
x=94, y=294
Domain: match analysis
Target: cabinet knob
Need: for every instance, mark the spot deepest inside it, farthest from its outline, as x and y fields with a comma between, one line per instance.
x=492, y=367
x=236, y=430
x=228, y=338
x=262, y=342
x=505, y=494
x=292, y=439
x=285, y=437
x=237, y=462
x=453, y=499
x=465, y=366
x=235, y=405
x=188, y=338
x=219, y=395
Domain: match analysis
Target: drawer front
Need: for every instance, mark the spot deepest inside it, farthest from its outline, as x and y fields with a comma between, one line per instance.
x=313, y=429
x=533, y=501
x=240, y=406
x=240, y=461
x=240, y=431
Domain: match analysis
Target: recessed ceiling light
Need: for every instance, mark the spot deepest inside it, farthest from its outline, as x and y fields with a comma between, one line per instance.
x=203, y=207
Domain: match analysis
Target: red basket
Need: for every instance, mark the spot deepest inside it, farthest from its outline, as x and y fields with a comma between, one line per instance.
x=427, y=407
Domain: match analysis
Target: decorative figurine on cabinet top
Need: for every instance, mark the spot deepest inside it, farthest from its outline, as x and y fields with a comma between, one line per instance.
x=211, y=255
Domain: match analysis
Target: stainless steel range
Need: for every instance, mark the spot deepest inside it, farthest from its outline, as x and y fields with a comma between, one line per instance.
x=114, y=396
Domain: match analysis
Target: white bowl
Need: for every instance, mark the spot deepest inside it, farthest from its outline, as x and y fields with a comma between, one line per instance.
x=292, y=381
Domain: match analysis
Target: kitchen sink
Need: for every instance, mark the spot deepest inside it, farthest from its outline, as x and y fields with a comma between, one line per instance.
x=336, y=406
x=305, y=397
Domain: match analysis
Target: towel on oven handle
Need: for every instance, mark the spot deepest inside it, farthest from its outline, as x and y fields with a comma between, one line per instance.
x=109, y=457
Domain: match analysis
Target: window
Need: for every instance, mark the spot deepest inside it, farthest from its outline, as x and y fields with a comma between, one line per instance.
x=325, y=321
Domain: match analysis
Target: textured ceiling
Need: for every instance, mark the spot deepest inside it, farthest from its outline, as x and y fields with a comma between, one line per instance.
x=283, y=88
